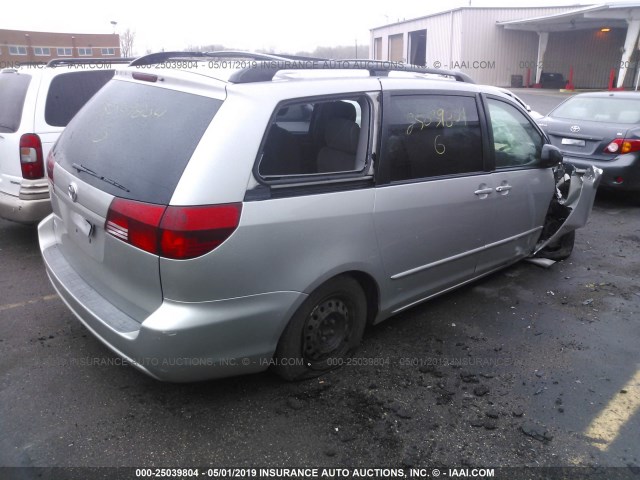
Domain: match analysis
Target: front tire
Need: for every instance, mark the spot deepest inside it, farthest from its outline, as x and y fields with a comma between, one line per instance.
x=559, y=250
x=324, y=331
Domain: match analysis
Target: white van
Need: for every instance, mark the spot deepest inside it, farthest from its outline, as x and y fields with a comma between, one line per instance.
x=36, y=103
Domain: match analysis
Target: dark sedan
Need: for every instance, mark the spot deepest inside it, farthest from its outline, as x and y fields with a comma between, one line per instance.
x=601, y=129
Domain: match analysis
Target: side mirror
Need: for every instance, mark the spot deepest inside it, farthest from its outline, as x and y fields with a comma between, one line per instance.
x=551, y=156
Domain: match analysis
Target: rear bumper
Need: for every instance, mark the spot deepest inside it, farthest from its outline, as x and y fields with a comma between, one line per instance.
x=179, y=342
x=24, y=211
x=626, y=167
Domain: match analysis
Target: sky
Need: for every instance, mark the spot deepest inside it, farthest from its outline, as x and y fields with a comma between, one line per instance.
x=285, y=26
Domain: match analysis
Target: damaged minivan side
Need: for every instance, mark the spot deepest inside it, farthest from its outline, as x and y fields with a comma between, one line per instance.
x=568, y=211
x=291, y=210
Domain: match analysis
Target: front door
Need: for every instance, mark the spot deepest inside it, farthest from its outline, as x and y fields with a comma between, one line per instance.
x=522, y=188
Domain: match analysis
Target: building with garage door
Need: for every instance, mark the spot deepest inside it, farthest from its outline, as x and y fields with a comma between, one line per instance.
x=20, y=46
x=593, y=46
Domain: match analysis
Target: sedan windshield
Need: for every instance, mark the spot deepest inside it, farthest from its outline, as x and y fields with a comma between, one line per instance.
x=614, y=110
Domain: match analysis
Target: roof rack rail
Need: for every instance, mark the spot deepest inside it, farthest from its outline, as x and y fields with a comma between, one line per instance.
x=288, y=56
x=266, y=70
x=161, y=57
x=268, y=65
x=58, y=62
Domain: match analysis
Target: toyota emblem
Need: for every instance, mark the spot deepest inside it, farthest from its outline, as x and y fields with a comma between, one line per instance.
x=575, y=128
x=72, y=190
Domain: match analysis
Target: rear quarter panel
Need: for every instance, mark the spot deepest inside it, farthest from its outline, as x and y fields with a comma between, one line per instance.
x=288, y=244
x=285, y=244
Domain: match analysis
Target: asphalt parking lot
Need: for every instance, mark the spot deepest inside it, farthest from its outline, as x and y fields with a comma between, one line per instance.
x=527, y=367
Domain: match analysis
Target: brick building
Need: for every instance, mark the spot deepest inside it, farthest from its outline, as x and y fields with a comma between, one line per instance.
x=18, y=46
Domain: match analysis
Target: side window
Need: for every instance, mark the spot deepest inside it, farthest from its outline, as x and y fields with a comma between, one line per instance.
x=316, y=137
x=516, y=142
x=13, y=91
x=432, y=135
x=69, y=92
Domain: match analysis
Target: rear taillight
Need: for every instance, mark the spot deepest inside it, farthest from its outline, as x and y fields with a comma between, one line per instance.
x=31, y=156
x=135, y=223
x=188, y=232
x=51, y=161
x=620, y=145
x=178, y=233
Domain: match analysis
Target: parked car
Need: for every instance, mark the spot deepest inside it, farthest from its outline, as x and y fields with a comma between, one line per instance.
x=36, y=103
x=601, y=129
x=211, y=222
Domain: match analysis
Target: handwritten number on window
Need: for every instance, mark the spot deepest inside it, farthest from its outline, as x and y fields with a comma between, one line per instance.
x=439, y=147
x=444, y=118
x=417, y=121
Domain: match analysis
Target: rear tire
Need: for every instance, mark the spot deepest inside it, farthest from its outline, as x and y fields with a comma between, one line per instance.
x=324, y=331
x=560, y=249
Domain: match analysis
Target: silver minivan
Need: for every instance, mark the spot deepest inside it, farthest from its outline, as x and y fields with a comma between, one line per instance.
x=231, y=214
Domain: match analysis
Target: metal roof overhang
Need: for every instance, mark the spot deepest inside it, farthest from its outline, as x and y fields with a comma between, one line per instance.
x=608, y=15
x=611, y=15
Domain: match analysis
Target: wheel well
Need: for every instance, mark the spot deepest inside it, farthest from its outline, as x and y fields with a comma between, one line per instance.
x=371, y=291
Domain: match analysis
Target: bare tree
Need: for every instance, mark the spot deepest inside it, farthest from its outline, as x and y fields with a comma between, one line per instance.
x=213, y=47
x=126, y=42
x=337, y=52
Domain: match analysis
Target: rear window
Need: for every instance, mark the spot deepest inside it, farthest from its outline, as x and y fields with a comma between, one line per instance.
x=13, y=90
x=138, y=137
x=69, y=92
x=608, y=109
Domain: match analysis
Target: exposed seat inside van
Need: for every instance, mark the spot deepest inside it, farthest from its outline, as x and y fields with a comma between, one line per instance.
x=282, y=153
x=341, y=145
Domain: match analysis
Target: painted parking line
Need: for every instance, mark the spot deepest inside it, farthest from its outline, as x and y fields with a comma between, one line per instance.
x=11, y=306
x=606, y=427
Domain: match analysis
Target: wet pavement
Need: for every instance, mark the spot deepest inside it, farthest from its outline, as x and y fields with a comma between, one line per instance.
x=526, y=367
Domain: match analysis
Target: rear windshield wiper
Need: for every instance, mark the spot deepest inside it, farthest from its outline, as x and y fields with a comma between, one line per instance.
x=82, y=168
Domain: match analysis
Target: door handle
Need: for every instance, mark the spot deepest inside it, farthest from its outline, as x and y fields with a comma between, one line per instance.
x=503, y=188
x=484, y=191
